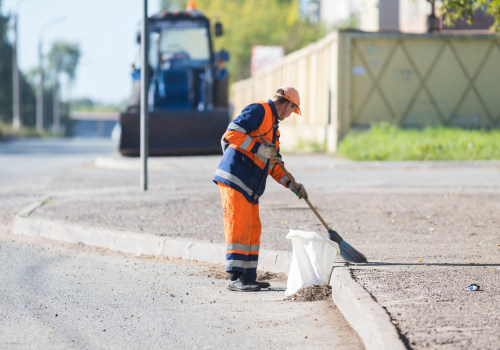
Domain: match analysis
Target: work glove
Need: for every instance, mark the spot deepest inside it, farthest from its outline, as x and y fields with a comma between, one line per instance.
x=298, y=189
x=267, y=151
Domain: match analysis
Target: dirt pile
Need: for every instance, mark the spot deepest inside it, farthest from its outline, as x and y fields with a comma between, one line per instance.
x=218, y=272
x=312, y=293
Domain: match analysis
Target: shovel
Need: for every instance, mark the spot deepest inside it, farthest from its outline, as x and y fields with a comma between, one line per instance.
x=347, y=252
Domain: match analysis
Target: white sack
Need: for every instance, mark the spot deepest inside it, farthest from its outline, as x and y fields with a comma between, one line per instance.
x=312, y=260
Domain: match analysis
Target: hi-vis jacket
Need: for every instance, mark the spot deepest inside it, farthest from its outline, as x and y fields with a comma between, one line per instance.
x=241, y=167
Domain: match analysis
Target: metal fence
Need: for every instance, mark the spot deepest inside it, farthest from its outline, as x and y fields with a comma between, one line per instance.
x=354, y=79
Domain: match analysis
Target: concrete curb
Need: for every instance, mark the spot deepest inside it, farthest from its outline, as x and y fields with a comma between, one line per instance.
x=367, y=318
x=137, y=243
x=364, y=314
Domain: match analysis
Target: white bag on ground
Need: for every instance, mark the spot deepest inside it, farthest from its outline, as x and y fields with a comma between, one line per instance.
x=312, y=260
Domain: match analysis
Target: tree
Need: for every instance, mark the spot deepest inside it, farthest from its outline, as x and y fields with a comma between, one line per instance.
x=27, y=95
x=63, y=58
x=454, y=10
x=5, y=72
x=173, y=5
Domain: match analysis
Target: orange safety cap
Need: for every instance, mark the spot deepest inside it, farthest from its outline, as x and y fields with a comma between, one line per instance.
x=191, y=5
x=292, y=95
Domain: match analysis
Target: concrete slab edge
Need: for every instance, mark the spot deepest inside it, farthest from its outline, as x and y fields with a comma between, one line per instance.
x=364, y=314
x=32, y=207
x=140, y=243
x=132, y=164
x=116, y=164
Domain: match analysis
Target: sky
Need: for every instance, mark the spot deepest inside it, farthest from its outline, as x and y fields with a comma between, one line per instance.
x=105, y=31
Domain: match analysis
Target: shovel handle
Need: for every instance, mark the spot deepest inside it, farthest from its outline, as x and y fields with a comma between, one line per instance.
x=317, y=214
x=282, y=166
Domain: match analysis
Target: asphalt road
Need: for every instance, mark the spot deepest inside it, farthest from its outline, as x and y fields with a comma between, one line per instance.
x=33, y=158
x=67, y=297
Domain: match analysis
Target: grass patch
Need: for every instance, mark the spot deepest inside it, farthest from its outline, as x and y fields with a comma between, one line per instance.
x=8, y=132
x=307, y=147
x=385, y=141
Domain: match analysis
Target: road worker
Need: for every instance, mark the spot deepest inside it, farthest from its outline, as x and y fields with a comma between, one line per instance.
x=241, y=177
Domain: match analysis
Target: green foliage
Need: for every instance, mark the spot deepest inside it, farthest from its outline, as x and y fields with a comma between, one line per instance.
x=89, y=105
x=5, y=72
x=173, y=5
x=256, y=22
x=386, y=141
x=28, y=99
x=64, y=58
x=465, y=9
x=306, y=146
x=27, y=95
x=7, y=132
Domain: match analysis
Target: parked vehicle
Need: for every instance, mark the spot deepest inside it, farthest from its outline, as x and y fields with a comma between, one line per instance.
x=188, y=88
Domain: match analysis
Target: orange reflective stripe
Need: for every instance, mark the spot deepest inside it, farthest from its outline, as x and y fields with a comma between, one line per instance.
x=239, y=139
x=278, y=174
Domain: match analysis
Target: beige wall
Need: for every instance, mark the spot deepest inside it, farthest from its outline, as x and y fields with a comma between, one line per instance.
x=353, y=79
x=421, y=80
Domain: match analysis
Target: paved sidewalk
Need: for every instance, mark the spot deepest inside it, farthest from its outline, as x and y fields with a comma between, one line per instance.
x=428, y=230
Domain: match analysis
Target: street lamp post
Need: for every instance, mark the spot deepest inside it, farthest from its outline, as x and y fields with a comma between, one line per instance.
x=144, y=116
x=56, y=116
x=39, y=94
x=16, y=105
x=16, y=90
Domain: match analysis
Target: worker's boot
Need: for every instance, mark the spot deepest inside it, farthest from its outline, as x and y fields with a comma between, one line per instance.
x=263, y=284
x=242, y=285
